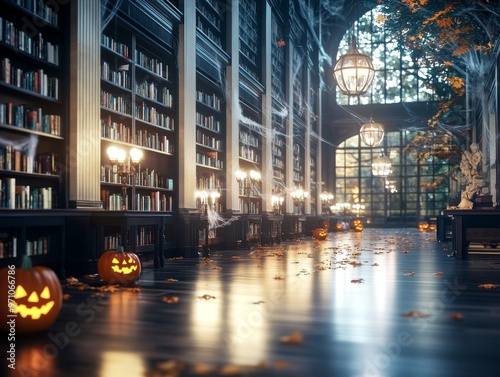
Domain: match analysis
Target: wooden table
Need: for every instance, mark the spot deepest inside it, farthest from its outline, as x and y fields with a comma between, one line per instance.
x=481, y=225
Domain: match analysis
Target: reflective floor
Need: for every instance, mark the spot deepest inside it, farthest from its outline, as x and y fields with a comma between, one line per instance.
x=384, y=302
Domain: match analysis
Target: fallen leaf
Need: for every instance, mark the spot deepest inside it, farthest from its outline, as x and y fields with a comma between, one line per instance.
x=91, y=276
x=169, y=280
x=414, y=314
x=66, y=296
x=204, y=368
x=293, y=338
x=411, y=273
x=170, y=299
x=357, y=281
x=487, y=286
x=278, y=278
x=439, y=273
x=207, y=297
x=259, y=302
x=457, y=316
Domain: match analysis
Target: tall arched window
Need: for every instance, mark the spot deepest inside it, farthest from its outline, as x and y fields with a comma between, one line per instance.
x=399, y=75
x=407, y=195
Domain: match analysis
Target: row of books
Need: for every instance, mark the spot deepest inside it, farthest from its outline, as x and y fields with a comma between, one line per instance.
x=210, y=100
x=14, y=159
x=30, y=118
x=151, y=115
x=151, y=140
x=145, y=236
x=154, y=202
x=153, y=92
x=116, y=103
x=29, y=43
x=41, y=9
x=34, y=81
x=14, y=196
x=208, y=141
x=143, y=177
x=209, y=159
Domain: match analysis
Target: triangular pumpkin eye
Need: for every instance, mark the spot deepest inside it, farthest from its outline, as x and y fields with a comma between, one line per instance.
x=20, y=292
x=130, y=260
x=124, y=262
x=45, y=293
x=115, y=260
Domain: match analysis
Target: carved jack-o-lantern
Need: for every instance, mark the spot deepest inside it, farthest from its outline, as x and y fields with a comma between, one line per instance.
x=423, y=225
x=321, y=233
x=117, y=266
x=34, y=296
x=357, y=225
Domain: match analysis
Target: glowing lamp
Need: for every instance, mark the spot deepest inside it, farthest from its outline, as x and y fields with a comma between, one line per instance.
x=354, y=71
x=381, y=166
x=372, y=133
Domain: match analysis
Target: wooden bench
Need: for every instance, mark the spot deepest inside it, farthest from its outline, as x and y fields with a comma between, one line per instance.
x=474, y=226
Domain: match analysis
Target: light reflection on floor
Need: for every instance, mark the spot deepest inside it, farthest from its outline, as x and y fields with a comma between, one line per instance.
x=345, y=295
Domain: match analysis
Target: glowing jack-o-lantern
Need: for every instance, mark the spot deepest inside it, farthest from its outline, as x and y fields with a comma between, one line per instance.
x=321, y=233
x=34, y=297
x=357, y=225
x=118, y=266
x=423, y=225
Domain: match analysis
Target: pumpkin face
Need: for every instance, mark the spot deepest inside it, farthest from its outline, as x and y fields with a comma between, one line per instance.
x=36, y=299
x=117, y=266
x=423, y=225
x=320, y=234
x=357, y=225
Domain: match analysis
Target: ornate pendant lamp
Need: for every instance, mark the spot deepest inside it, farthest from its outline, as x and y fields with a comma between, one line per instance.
x=372, y=133
x=381, y=166
x=354, y=71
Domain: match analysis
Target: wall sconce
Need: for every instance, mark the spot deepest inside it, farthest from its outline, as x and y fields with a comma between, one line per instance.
x=326, y=199
x=341, y=208
x=299, y=196
x=277, y=202
x=125, y=167
x=358, y=208
x=207, y=199
x=247, y=184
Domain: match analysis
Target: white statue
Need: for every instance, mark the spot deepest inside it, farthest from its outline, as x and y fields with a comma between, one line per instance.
x=470, y=166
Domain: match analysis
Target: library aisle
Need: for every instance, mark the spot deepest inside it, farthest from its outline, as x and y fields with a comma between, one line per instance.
x=382, y=302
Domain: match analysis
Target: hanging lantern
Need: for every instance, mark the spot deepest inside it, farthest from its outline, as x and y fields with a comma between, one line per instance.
x=354, y=71
x=381, y=166
x=372, y=133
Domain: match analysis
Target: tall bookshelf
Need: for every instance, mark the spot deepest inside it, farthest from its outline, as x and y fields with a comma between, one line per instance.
x=249, y=38
x=138, y=111
x=32, y=131
x=210, y=22
x=32, y=113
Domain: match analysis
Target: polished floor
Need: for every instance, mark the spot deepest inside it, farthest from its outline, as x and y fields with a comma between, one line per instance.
x=384, y=302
